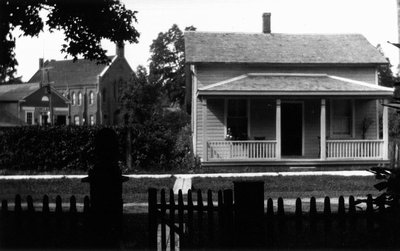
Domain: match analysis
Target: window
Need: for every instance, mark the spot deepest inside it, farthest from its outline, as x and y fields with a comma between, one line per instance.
x=76, y=120
x=79, y=98
x=91, y=120
x=342, y=117
x=29, y=118
x=237, y=119
x=91, y=98
x=73, y=98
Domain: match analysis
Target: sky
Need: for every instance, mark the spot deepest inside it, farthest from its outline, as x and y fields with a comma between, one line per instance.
x=375, y=19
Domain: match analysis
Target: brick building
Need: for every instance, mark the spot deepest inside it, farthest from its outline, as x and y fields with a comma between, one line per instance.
x=93, y=89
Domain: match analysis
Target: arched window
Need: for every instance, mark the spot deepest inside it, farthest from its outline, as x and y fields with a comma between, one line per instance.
x=79, y=98
x=73, y=98
x=91, y=98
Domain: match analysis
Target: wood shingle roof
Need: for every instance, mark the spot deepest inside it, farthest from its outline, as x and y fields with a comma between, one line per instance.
x=293, y=84
x=276, y=48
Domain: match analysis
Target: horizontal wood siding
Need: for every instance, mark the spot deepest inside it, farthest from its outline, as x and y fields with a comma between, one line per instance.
x=210, y=74
x=312, y=128
x=199, y=135
x=366, y=109
x=262, y=119
x=215, y=119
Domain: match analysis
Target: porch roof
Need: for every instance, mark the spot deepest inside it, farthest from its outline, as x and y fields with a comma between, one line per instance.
x=283, y=84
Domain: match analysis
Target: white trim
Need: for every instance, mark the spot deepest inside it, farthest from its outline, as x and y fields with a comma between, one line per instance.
x=298, y=93
x=322, y=149
x=385, y=128
x=60, y=109
x=28, y=108
x=278, y=129
x=225, y=117
x=194, y=108
x=248, y=118
x=223, y=82
x=362, y=83
x=353, y=120
x=107, y=67
x=26, y=117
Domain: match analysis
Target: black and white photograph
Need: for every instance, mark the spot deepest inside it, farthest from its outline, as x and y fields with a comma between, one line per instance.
x=199, y=125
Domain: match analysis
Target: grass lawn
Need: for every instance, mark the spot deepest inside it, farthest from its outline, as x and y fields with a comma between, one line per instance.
x=135, y=190
x=299, y=186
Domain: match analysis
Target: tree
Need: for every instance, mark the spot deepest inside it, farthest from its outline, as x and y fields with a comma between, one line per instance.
x=140, y=98
x=84, y=23
x=385, y=74
x=167, y=63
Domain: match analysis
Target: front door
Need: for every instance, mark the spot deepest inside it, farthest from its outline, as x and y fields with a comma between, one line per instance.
x=292, y=129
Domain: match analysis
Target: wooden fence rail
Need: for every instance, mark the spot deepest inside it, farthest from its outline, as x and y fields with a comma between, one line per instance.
x=213, y=225
x=22, y=225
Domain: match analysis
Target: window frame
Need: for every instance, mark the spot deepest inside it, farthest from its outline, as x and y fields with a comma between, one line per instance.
x=26, y=117
x=79, y=98
x=91, y=98
x=246, y=117
x=73, y=97
x=79, y=120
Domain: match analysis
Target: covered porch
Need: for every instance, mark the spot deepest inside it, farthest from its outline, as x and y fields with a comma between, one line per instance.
x=294, y=127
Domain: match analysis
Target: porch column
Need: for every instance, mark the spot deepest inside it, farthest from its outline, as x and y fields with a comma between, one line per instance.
x=278, y=129
x=322, y=149
x=385, y=127
x=204, y=111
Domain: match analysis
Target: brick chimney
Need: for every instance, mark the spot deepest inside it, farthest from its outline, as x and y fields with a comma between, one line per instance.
x=266, y=23
x=120, y=49
x=40, y=63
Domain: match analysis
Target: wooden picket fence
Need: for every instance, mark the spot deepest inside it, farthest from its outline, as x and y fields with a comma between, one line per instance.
x=25, y=226
x=212, y=225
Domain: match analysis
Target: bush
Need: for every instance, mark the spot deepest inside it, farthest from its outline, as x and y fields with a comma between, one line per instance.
x=154, y=145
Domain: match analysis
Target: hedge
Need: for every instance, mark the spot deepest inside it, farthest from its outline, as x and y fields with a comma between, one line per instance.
x=71, y=148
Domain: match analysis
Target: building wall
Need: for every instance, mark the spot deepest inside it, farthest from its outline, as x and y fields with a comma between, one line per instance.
x=110, y=85
x=210, y=74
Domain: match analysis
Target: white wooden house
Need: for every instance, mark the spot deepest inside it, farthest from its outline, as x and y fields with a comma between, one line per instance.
x=286, y=99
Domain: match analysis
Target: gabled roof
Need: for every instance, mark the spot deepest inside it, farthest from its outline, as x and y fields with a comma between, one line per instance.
x=17, y=92
x=294, y=84
x=70, y=73
x=276, y=48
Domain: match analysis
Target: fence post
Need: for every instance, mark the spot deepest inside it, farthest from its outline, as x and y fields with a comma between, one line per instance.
x=299, y=221
x=221, y=226
x=200, y=210
x=105, y=182
x=327, y=219
x=152, y=200
x=162, y=216
x=190, y=218
x=228, y=217
x=210, y=218
x=249, y=213
x=171, y=219
x=270, y=224
x=4, y=224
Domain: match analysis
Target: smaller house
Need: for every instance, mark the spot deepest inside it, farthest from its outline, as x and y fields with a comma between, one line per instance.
x=32, y=104
x=275, y=99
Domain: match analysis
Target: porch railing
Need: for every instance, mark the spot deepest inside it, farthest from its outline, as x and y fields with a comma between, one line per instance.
x=238, y=149
x=342, y=149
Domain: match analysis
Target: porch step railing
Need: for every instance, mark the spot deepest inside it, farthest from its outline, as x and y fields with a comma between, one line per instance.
x=342, y=149
x=237, y=149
